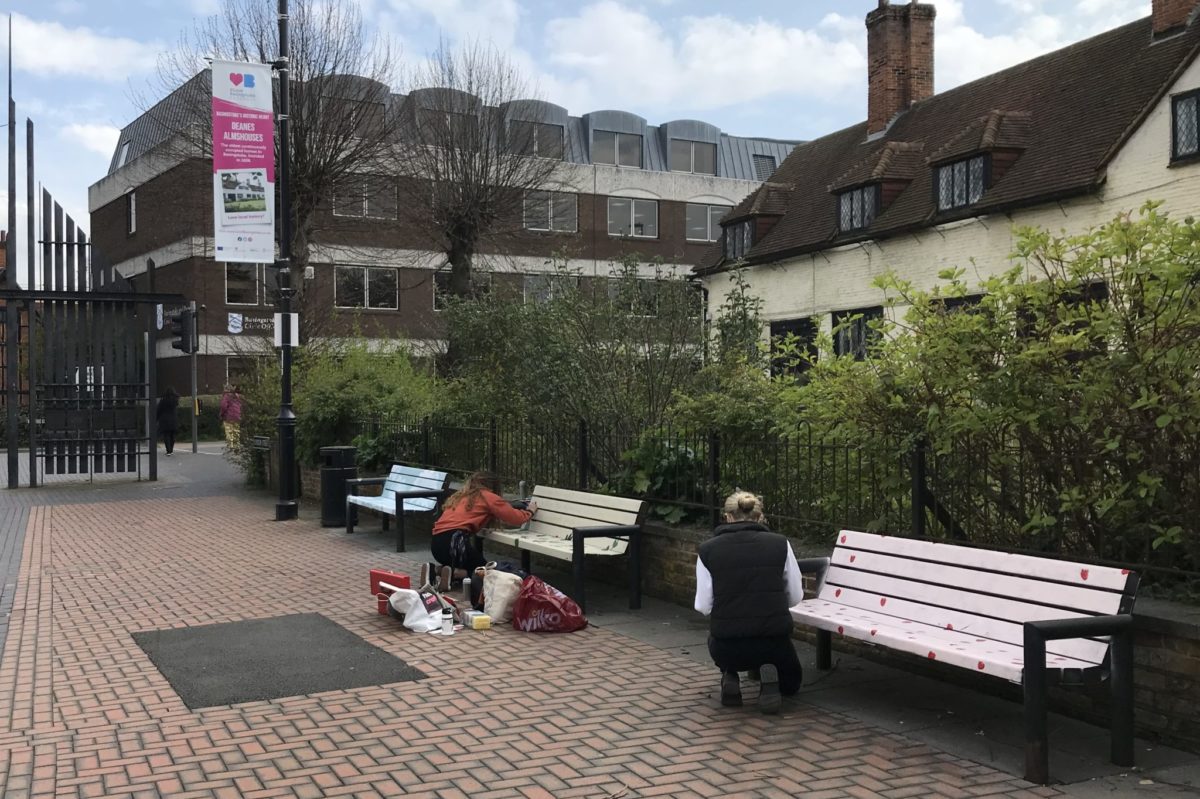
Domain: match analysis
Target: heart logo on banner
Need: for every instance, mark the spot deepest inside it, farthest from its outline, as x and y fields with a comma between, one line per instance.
x=235, y=78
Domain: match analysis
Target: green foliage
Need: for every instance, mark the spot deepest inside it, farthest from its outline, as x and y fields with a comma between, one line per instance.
x=610, y=349
x=1064, y=407
x=259, y=386
x=669, y=472
x=339, y=387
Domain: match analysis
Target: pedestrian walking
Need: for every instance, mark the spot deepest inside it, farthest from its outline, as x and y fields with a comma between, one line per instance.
x=231, y=415
x=746, y=579
x=167, y=416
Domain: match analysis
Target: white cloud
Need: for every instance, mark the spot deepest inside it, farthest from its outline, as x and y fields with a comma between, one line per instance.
x=100, y=139
x=49, y=48
x=494, y=20
x=627, y=59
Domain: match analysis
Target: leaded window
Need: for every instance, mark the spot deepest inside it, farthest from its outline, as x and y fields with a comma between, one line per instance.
x=1186, y=112
x=961, y=183
x=854, y=331
x=857, y=208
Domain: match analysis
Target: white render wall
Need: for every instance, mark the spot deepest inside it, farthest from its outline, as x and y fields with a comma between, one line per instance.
x=841, y=278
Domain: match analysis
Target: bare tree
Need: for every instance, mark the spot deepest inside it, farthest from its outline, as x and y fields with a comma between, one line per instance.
x=344, y=116
x=475, y=141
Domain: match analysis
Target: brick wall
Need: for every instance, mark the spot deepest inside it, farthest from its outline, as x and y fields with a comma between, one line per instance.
x=1172, y=14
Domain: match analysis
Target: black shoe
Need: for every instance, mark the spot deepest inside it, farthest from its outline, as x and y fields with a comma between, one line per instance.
x=769, y=700
x=731, y=690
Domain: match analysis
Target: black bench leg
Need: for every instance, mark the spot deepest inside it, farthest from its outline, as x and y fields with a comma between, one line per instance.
x=1037, y=745
x=635, y=571
x=577, y=569
x=526, y=561
x=350, y=518
x=1121, y=677
x=386, y=520
x=824, y=650
x=400, y=531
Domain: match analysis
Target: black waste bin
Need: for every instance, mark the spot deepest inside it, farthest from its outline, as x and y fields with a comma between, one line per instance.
x=337, y=466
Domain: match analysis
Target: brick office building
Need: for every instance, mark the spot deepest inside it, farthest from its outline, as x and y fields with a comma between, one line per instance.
x=623, y=187
x=931, y=182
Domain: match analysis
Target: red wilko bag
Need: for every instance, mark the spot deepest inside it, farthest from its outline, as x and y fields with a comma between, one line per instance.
x=542, y=608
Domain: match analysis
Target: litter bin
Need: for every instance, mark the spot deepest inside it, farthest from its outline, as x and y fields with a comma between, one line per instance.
x=337, y=466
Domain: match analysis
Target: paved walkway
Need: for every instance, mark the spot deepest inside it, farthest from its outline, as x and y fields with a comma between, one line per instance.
x=84, y=713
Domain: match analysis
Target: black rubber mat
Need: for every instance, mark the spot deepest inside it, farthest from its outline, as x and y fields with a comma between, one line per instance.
x=247, y=661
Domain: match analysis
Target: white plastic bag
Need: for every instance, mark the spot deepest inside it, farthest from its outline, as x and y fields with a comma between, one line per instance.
x=500, y=590
x=407, y=602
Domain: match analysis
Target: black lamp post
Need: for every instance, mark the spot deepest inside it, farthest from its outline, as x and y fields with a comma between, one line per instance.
x=286, y=508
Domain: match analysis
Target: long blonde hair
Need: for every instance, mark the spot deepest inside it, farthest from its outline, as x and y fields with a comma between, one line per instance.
x=476, y=484
x=742, y=506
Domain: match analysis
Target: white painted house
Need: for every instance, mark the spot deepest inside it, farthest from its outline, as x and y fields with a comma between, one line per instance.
x=933, y=181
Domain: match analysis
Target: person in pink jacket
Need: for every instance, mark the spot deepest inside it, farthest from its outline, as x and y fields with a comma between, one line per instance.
x=231, y=415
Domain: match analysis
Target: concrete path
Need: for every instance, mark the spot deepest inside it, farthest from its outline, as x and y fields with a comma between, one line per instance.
x=625, y=709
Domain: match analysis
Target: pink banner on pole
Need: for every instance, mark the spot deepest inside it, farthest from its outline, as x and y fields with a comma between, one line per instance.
x=243, y=150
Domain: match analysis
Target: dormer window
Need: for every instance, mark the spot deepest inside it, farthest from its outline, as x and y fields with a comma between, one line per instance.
x=961, y=183
x=693, y=156
x=1186, y=112
x=618, y=149
x=539, y=139
x=857, y=208
x=739, y=238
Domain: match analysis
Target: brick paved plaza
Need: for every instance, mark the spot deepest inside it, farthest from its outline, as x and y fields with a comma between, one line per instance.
x=84, y=713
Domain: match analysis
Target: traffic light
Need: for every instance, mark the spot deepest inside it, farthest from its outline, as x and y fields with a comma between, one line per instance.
x=183, y=328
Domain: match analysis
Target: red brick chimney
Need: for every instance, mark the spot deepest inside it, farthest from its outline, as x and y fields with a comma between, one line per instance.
x=899, y=60
x=1171, y=15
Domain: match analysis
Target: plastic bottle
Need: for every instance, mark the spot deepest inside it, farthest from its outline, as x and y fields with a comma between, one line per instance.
x=447, y=621
x=467, y=589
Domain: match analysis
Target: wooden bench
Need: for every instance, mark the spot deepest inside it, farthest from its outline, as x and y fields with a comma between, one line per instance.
x=406, y=488
x=1025, y=619
x=569, y=525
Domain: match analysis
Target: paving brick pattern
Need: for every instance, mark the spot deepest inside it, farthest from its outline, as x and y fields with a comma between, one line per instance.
x=83, y=712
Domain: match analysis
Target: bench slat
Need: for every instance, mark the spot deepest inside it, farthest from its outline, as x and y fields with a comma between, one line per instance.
x=567, y=521
x=904, y=611
x=885, y=588
x=1075, y=597
x=567, y=514
x=954, y=648
x=555, y=547
x=588, y=499
x=1024, y=565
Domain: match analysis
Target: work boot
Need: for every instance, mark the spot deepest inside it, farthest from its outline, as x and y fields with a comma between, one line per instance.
x=731, y=690
x=769, y=699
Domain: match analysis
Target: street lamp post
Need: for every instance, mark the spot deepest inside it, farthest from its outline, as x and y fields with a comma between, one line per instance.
x=286, y=508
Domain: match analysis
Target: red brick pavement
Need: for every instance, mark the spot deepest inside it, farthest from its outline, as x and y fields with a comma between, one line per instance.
x=83, y=712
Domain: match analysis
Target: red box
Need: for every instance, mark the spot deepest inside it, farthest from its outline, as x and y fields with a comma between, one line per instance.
x=382, y=584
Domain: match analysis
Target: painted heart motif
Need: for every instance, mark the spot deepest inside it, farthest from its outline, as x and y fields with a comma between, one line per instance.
x=874, y=631
x=1083, y=573
x=843, y=539
x=949, y=626
x=882, y=601
x=235, y=78
x=852, y=557
x=1124, y=571
x=837, y=593
x=932, y=656
x=980, y=665
x=841, y=630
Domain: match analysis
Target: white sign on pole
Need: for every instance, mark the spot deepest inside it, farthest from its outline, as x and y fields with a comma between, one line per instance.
x=292, y=331
x=158, y=316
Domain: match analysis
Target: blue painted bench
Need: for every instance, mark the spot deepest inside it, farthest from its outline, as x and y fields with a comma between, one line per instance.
x=405, y=489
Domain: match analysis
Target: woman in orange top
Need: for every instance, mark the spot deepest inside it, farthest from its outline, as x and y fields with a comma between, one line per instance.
x=473, y=507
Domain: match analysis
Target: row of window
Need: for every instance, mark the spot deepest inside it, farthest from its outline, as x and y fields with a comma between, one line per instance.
x=794, y=341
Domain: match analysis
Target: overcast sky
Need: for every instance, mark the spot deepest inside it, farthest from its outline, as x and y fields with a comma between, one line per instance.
x=791, y=69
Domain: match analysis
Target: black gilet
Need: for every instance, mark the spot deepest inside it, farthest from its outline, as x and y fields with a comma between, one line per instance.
x=746, y=561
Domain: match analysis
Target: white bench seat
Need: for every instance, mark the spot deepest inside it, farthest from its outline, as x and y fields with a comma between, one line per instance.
x=405, y=489
x=1026, y=619
x=564, y=517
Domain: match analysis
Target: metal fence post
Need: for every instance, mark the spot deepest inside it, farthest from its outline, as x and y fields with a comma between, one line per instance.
x=426, y=458
x=714, y=476
x=918, y=489
x=583, y=455
x=493, y=447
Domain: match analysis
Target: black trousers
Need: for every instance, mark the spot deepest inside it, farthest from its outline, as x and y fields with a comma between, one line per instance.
x=744, y=654
x=168, y=437
x=456, y=549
